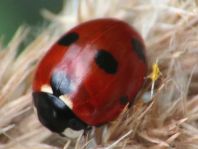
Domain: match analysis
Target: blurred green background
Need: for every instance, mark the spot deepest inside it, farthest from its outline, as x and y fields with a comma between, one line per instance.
x=14, y=13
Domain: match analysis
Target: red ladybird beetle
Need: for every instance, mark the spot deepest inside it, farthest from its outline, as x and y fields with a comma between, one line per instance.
x=89, y=75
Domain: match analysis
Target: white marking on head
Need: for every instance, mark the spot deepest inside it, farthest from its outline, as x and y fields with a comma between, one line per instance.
x=46, y=88
x=66, y=100
x=72, y=134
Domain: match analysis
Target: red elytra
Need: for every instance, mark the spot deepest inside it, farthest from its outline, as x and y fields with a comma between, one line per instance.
x=99, y=66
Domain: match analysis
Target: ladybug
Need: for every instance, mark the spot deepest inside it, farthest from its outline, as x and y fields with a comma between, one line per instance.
x=89, y=75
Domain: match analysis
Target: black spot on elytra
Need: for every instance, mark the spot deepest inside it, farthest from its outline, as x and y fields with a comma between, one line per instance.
x=138, y=47
x=60, y=83
x=124, y=100
x=68, y=39
x=106, y=61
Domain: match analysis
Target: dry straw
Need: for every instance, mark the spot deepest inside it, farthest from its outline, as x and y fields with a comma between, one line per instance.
x=168, y=120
